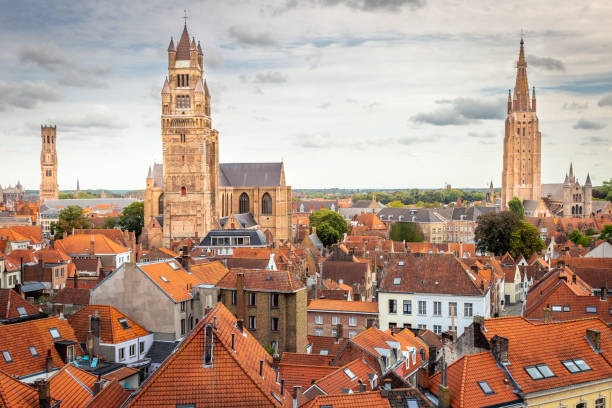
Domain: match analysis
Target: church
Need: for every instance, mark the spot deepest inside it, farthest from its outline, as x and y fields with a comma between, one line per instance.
x=191, y=193
x=522, y=160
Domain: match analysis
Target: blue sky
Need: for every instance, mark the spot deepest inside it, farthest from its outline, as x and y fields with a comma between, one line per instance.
x=348, y=93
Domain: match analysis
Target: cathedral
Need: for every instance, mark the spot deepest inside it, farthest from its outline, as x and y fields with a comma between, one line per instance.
x=191, y=193
x=521, y=163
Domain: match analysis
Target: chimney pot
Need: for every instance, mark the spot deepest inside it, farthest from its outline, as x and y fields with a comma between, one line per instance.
x=44, y=393
x=499, y=347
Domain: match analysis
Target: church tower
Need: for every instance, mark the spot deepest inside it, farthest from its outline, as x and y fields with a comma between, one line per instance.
x=48, y=165
x=522, y=141
x=190, y=145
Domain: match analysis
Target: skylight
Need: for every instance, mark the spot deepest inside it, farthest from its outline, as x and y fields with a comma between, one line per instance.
x=397, y=281
x=54, y=333
x=539, y=371
x=163, y=278
x=350, y=374
x=576, y=365
x=7, y=356
x=324, y=352
x=174, y=266
x=124, y=323
x=486, y=388
x=22, y=312
x=33, y=351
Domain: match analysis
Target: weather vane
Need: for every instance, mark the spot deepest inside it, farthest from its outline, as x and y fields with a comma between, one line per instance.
x=185, y=10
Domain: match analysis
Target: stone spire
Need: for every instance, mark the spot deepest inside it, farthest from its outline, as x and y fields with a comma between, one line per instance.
x=566, y=182
x=521, y=89
x=509, y=101
x=588, y=180
x=149, y=175
x=171, y=46
x=571, y=173
x=182, y=50
x=166, y=87
x=200, y=49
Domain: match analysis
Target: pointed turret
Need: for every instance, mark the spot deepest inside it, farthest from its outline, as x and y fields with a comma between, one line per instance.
x=571, y=173
x=171, y=46
x=149, y=175
x=491, y=186
x=200, y=49
x=509, y=101
x=199, y=88
x=206, y=89
x=566, y=182
x=533, y=100
x=184, y=45
x=193, y=45
x=521, y=89
x=166, y=87
x=587, y=183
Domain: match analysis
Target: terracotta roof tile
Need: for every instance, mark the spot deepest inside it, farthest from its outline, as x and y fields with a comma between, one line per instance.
x=343, y=305
x=122, y=373
x=171, y=278
x=346, y=377
x=51, y=255
x=113, y=395
x=209, y=273
x=112, y=331
x=263, y=280
x=329, y=345
x=81, y=243
x=16, y=394
x=10, y=301
x=12, y=235
x=371, y=399
x=32, y=232
x=71, y=296
x=72, y=385
x=304, y=369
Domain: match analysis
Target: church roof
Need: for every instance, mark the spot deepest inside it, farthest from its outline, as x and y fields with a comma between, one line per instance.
x=553, y=191
x=182, y=51
x=246, y=220
x=250, y=174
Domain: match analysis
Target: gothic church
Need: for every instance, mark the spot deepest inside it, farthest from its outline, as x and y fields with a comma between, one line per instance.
x=192, y=193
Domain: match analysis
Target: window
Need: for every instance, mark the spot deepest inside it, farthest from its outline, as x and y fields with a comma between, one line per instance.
x=274, y=324
x=591, y=309
x=274, y=300
x=182, y=326
x=352, y=321
x=7, y=356
x=243, y=204
x=54, y=333
x=22, y=312
x=141, y=348
x=437, y=329
x=252, y=322
x=349, y=374
x=234, y=297
x=335, y=320
x=132, y=350
x=33, y=351
x=397, y=281
x=539, y=371
x=182, y=102
x=334, y=333
x=266, y=204
x=352, y=333
x=437, y=311
x=600, y=403
x=323, y=352
x=183, y=306
x=252, y=299
x=318, y=319
x=422, y=326
x=486, y=388
x=163, y=278
x=468, y=310
x=452, y=308
x=122, y=353
x=392, y=306
x=556, y=308
x=567, y=309
x=581, y=405
x=319, y=332
x=124, y=323
x=407, y=307
x=422, y=307
x=183, y=139
x=576, y=365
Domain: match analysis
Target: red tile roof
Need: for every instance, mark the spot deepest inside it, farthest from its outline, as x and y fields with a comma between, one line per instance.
x=113, y=395
x=341, y=378
x=16, y=394
x=322, y=343
x=11, y=235
x=171, y=278
x=411, y=347
x=184, y=379
x=10, y=301
x=263, y=280
x=371, y=399
x=32, y=232
x=209, y=273
x=304, y=369
x=343, y=306
x=81, y=243
x=51, y=255
x=111, y=331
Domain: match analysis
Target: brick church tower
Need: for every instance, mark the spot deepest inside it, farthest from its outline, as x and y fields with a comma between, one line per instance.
x=48, y=165
x=190, y=145
x=522, y=141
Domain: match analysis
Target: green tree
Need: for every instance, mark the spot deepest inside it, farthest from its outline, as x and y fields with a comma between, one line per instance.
x=577, y=238
x=406, y=231
x=71, y=217
x=606, y=232
x=589, y=232
x=330, y=226
x=395, y=203
x=525, y=239
x=328, y=234
x=64, y=196
x=110, y=222
x=494, y=230
x=132, y=218
x=516, y=206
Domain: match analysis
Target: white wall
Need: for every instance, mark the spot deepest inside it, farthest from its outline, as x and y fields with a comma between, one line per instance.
x=148, y=341
x=399, y=318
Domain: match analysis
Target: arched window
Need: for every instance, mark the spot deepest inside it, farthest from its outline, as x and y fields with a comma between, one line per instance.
x=573, y=210
x=243, y=204
x=183, y=191
x=47, y=139
x=223, y=205
x=160, y=204
x=266, y=204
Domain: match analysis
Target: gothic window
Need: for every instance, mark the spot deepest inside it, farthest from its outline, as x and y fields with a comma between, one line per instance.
x=160, y=204
x=182, y=102
x=266, y=204
x=183, y=191
x=187, y=80
x=182, y=138
x=178, y=81
x=243, y=204
x=223, y=205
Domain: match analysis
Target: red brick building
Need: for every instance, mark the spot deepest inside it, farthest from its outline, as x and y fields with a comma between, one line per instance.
x=340, y=318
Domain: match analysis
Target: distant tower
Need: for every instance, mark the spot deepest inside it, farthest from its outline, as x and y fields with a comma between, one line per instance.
x=588, y=196
x=78, y=190
x=491, y=193
x=522, y=141
x=48, y=165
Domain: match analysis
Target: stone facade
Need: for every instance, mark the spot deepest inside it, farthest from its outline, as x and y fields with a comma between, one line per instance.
x=522, y=141
x=49, y=189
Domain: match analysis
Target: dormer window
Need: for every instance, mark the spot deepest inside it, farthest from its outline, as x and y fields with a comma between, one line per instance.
x=124, y=323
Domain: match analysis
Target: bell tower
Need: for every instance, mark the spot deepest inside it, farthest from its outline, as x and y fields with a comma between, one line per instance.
x=522, y=141
x=190, y=145
x=48, y=165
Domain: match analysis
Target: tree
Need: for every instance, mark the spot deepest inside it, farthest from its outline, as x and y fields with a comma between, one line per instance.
x=110, y=222
x=516, y=206
x=330, y=225
x=525, y=239
x=606, y=232
x=577, y=238
x=71, y=217
x=589, y=232
x=132, y=218
x=405, y=231
x=395, y=203
x=494, y=230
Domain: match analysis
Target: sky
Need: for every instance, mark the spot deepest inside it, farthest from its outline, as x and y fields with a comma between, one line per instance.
x=347, y=93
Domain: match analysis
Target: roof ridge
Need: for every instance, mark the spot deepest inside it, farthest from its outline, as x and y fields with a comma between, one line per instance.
x=463, y=375
x=76, y=379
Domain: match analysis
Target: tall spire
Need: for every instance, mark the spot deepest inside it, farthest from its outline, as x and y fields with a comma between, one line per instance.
x=521, y=89
x=184, y=44
x=171, y=45
x=588, y=180
x=571, y=173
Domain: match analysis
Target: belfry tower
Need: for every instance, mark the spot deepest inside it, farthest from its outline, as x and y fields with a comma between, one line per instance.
x=190, y=145
x=522, y=141
x=48, y=165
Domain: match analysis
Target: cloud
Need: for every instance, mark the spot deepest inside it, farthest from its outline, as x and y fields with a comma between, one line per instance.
x=246, y=37
x=546, y=63
x=575, y=106
x=213, y=58
x=314, y=141
x=47, y=57
x=361, y=5
x=482, y=135
x=324, y=105
x=270, y=77
x=462, y=111
x=97, y=118
x=411, y=140
x=26, y=95
x=605, y=101
x=596, y=139
x=588, y=125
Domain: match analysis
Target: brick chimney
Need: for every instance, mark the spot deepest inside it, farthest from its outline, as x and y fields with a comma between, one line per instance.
x=98, y=386
x=604, y=293
x=76, y=279
x=48, y=362
x=44, y=393
x=499, y=348
x=297, y=390
x=241, y=304
x=546, y=315
x=595, y=338
x=185, y=258
x=92, y=246
x=443, y=391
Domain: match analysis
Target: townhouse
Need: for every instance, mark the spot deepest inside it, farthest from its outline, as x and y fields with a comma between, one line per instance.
x=111, y=254
x=14, y=308
x=344, y=267
x=340, y=318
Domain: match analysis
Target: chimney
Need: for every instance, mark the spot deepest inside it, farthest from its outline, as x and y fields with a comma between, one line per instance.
x=240, y=325
x=76, y=279
x=241, y=312
x=185, y=258
x=594, y=338
x=499, y=348
x=44, y=393
x=48, y=362
x=604, y=293
x=297, y=390
x=474, y=269
x=339, y=330
x=362, y=386
x=546, y=315
x=431, y=364
x=98, y=386
x=574, y=278
x=282, y=387
x=96, y=329
x=444, y=392
x=92, y=246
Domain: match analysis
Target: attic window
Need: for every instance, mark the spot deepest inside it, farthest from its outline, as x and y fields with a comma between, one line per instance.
x=486, y=388
x=163, y=278
x=397, y=281
x=54, y=333
x=591, y=309
x=324, y=352
x=7, y=356
x=22, y=312
x=33, y=351
x=576, y=365
x=174, y=266
x=556, y=308
x=400, y=263
x=350, y=374
x=124, y=323
x=540, y=371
